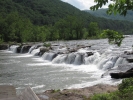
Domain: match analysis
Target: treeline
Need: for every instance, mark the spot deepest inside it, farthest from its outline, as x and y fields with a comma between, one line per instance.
x=16, y=28
x=47, y=20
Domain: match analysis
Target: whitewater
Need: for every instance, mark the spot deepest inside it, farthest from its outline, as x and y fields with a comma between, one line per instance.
x=60, y=69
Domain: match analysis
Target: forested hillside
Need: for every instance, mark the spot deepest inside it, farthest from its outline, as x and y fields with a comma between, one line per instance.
x=40, y=12
x=102, y=13
x=47, y=20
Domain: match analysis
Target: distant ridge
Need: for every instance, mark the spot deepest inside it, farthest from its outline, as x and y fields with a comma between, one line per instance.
x=49, y=12
x=102, y=13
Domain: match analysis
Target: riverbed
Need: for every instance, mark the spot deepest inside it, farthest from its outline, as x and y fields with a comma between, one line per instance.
x=23, y=70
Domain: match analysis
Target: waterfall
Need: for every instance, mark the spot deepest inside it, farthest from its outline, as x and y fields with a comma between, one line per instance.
x=35, y=52
x=32, y=48
x=70, y=58
x=13, y=48
x=21, y=51
x=60, y=59
x=104, y=61
x=49, y=56
x=92, y=59
x=79, y=59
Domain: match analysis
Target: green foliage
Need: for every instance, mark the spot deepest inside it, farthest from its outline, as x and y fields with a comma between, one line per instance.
x=48, y=20
x=1, y=40
x=93, y=30
x=117, y=6
x=55, y=91
x=106, y=96
x=15, y=28
x=47, y=44
x=70, y=28
x=126, y=84
x=113, y=36
x=125, y=92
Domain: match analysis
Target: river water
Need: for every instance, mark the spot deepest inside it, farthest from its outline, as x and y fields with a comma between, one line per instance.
x=23, y=70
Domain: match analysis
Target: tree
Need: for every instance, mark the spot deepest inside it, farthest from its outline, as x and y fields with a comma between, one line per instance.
x=70, y=28
x=15, y=28
x=116, y=6
x=93, y=29
x=113, y=37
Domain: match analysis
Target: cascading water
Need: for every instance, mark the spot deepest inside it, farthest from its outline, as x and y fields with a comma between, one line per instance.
x=13, y=48
x=70, y=58
x=49, y=56
x=21, y=51
x=31, y=49
x=35, y=52
x=67, y=64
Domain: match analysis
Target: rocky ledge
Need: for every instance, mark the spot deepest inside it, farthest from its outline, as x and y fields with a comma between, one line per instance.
x=76, y=94
x=4, y=46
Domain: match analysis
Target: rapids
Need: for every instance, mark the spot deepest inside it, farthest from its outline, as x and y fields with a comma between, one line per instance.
x=58, y=68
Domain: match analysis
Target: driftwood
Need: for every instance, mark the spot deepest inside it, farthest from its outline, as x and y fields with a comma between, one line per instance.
x=127, y=74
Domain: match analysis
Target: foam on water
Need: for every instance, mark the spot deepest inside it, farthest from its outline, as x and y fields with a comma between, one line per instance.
x=38, y=64
x=106, y=80
x=38, y=86
x=24, y=56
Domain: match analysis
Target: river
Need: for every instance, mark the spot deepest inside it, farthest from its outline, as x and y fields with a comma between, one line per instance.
x=40, y=73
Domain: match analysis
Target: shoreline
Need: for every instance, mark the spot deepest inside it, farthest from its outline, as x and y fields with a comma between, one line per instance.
x=77, y=93
x=8, y=92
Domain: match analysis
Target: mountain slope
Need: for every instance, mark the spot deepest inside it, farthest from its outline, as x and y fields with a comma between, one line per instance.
x=40, y=11
x=48, y=12
x=102, y=13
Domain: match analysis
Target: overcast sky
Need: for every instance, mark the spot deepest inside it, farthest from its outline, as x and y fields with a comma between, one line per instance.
x=82, y=4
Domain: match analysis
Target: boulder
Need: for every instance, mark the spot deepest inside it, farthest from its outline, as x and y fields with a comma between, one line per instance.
x=25, y=48
x=127, y=74
x=128, y=52
x=130, y=59
x=19, y=49
x=89, y=53
x=43, y=50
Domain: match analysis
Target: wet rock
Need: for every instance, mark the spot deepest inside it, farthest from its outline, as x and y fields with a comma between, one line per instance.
x=89, y=53
x=19, y=49
x=121, y=75
x=4, y=46
x=128, y=52
x=43, y=50
x=127, y=74
x=130, y=59
x=72, y=50
x=23, y=48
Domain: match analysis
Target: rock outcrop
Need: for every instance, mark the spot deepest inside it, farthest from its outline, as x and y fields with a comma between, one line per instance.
x=77, y=94
x=4, y=46
x=127, y=74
